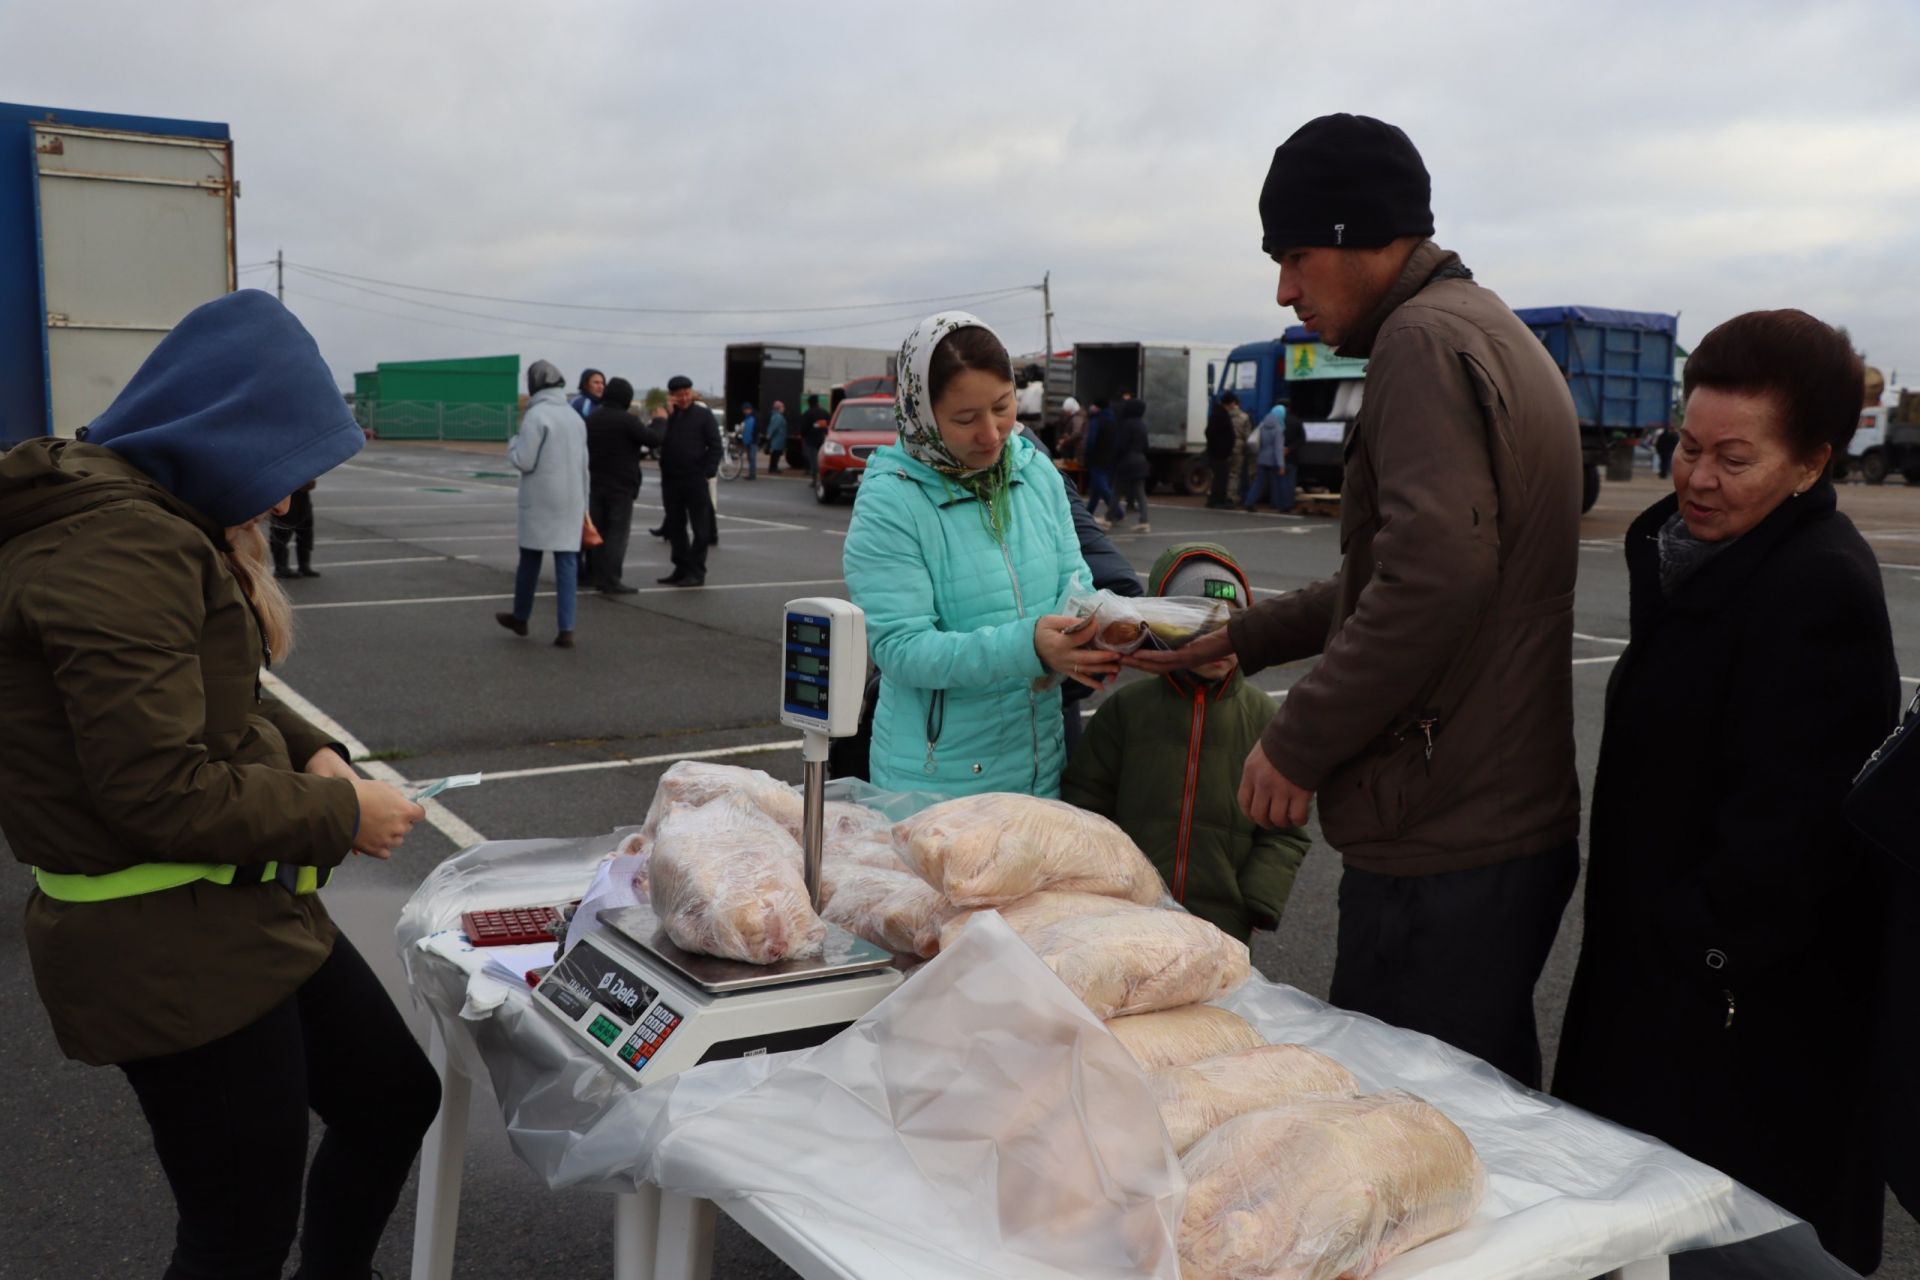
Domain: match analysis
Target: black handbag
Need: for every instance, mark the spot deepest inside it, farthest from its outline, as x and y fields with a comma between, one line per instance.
x=1884, y=803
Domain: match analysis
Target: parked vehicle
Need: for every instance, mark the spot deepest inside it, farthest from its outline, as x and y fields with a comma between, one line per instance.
x=1619, y=366
x=859, y=426
x=758, y=373
x=1887, y=442
x=112, y=228
x=1175, y=380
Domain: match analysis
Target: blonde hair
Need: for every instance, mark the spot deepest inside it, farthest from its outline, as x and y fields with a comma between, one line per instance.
x=251, y=562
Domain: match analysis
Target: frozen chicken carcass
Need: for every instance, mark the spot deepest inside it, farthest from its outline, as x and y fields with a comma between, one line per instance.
x=1141, y=960
x=1175, y=1037
x=1195, y=1100
x=726, y=880
x=1036, y=911
x=869, y=849
x=984, y=850
x=894, y=909
x=693, y=783
x=1324, y=1189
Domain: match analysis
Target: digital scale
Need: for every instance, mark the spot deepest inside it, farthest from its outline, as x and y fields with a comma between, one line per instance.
x=650, y=1009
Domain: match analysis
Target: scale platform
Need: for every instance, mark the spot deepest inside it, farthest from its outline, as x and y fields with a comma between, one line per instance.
x=651, y=1009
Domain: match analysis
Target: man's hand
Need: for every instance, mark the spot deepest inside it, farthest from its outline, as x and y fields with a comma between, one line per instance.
x=1267, y=797
x=1196, y=653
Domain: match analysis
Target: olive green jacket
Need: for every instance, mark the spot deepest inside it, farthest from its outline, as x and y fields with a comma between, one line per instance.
x=137, y=731
x=1163, y=758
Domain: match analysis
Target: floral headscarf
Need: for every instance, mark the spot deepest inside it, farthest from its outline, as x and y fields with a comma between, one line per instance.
x=920, y=435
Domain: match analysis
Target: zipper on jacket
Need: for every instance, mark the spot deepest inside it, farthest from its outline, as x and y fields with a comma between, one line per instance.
x=1729, y=996
x=1425, y=724
x=1183, y=841
x=936, y=722
x=1033, y=699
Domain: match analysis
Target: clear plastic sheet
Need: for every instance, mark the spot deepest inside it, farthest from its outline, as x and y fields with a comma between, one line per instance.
x=1174, y=1037
x=1196, y=1099
x=1324, y=1188
x=694, y=783
x=727, y=880
x=1037, y=911
x=855, y=1149
x=984, y=850
x=1141, y=960
x=889, y=907
x=1123, y=624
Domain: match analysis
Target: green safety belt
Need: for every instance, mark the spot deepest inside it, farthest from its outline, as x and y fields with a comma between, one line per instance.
x=152, y=877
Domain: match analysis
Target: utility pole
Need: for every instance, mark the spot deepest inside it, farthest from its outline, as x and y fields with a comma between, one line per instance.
x=280, y=274
x=1046, y=296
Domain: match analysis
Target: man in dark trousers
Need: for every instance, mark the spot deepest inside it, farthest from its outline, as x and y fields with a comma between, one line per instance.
x=1437, y=728
x=1220, y=444
x=689, y=457
x=615, y=437
x=296, y=527
x=813, y=433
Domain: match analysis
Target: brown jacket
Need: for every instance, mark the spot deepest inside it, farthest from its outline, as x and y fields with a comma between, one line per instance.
x=1452, y=613
x=136, y=731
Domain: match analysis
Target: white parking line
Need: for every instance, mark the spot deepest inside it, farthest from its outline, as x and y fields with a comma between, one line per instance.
x=356, y=564
x=368, y=604
x=439, y=817
x=489, y=504
x=1581, y=635
x=463, y=537
x=717, y=753
x=1583, y=662
x=508, y=595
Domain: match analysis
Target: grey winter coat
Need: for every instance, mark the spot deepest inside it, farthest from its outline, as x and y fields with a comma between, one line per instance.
x=551, y=455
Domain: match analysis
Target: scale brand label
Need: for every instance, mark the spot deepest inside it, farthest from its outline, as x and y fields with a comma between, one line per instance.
x=631, y=999
x=586, y=976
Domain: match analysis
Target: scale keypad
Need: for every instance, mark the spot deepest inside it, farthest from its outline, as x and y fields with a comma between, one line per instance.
x=644, y=1045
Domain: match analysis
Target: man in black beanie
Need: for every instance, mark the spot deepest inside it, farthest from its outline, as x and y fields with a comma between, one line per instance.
x=1437, y=728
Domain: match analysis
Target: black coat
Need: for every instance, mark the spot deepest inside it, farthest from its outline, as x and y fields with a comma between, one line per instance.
x=1722, y=881
x=1101, y=433
x=690, y=448
x=1130, y=441
x=1221, y=436
x=615, y=438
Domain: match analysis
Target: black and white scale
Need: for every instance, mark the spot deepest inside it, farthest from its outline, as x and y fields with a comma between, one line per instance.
x=652, y=1010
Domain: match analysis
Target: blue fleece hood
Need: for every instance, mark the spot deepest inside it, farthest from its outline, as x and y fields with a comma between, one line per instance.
x=233, y=411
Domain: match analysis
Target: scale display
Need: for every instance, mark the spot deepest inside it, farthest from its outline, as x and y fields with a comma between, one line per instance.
x=823, y=669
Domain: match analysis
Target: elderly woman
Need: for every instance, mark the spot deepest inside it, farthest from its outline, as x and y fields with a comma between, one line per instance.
x=1725, y=993
x=961, y=551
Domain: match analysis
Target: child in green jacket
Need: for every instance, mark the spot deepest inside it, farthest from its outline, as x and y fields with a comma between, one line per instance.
x=1163, y=758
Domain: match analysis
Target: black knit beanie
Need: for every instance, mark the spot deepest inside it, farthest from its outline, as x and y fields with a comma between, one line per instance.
x=619, y=394
x=1345, y=181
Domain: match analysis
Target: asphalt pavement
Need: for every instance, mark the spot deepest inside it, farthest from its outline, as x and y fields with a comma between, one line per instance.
x=398, y=644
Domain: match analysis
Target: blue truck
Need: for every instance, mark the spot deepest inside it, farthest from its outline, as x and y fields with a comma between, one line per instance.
x=1619, y=365
x=112, y=227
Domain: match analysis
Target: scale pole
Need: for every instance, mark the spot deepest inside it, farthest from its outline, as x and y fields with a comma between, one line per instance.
x=813, y=846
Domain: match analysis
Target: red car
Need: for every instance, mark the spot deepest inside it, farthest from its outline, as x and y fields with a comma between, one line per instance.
x=859, y=426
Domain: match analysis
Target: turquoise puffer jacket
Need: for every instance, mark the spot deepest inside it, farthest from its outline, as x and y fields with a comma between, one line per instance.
x=950, y=616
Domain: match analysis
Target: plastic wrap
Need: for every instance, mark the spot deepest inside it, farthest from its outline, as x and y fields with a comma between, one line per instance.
x=694, y=783
x=1196, y=1099
x=726, y=880
x=1036, y=911
x=984, y=850
x=1122, y=624
x=1324, y=1188
x=1141, y=960
x=837, y=1148
x=1175, y=1037
x=891, y=908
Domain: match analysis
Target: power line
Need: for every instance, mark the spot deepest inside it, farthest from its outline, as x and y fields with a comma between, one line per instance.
x=661, y=311
x=628, y=332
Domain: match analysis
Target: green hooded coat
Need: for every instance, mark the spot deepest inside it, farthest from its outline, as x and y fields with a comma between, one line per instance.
x=1163, y=759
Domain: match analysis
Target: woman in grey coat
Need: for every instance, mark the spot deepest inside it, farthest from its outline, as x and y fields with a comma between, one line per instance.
x=551, y=455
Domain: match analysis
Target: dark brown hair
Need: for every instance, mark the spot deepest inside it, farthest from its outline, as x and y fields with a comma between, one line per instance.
x=973, y=347
x=1810, y=370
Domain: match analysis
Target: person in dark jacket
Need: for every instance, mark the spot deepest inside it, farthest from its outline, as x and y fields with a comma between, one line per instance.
x=586, y=397
x=1725, y=996
x=1293, y=441
x=1098, y=453
x=179, y=818
x=813, y=433
x=689, y=457
x=296, y=528
x=1220, y=444
x=1436, y=731
x=1130, y=466
x=776, y=437
x=1159, y=757
x=615, y=440
x=1663, y=446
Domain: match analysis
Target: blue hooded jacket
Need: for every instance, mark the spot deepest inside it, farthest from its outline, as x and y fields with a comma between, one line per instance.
x=233, y=411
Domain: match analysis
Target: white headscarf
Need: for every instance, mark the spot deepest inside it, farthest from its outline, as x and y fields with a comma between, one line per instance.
x=913, y=406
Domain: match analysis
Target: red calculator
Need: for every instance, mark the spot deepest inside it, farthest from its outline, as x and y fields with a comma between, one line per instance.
x=512, y=926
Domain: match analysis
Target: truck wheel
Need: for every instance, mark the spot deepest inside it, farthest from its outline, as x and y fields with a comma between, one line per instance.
x=1589, y=487
x=1196, y=478
x=1912, y=474
x=1873, y=467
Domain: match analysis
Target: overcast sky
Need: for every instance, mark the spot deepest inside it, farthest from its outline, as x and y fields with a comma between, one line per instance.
x=1699, y=158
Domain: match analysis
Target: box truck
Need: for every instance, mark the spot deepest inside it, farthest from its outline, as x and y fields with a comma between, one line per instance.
x=1174, y=378
x=112, y=228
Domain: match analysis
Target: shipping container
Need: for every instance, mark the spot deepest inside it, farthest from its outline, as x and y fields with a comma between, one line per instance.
x=112, y=228
x=758, y=373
